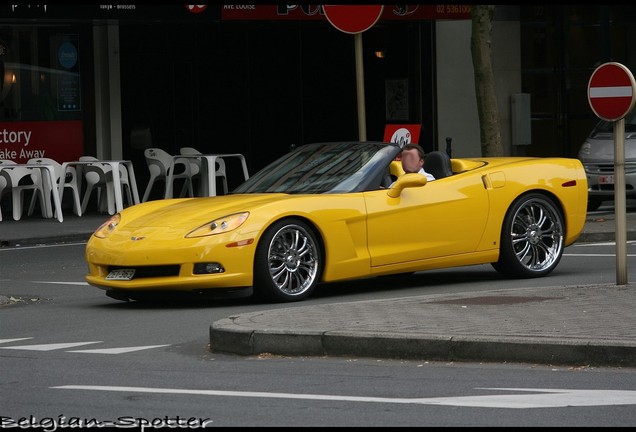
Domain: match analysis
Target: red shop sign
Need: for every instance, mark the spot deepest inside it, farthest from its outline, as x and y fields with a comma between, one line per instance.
x=59, y=140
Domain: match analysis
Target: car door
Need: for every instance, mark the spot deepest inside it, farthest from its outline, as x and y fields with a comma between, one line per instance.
x=444, y=217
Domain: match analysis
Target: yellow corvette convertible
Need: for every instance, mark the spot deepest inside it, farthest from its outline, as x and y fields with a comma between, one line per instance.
x=329, y=212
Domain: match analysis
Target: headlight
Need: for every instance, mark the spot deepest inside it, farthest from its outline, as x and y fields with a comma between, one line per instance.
x=107, y=227
x=585, y=149
x=220, y=225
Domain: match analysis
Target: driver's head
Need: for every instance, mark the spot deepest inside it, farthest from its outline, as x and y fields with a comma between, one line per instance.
x=412, y=158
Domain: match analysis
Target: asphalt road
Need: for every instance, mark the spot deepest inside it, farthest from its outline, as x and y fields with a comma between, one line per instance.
x=72, y=352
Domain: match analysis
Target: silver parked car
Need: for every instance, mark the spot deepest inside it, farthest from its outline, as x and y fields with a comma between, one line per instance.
x=597, y=155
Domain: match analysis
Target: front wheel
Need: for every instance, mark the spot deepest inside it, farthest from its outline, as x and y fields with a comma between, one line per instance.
x=288, y=262
x=531, y=242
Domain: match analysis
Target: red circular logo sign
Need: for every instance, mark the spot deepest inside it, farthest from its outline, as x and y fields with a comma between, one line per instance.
x=196, y=8
x=611, y=90
x=353, y=19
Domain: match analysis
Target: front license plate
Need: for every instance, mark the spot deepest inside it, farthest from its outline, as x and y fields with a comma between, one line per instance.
x=122, y=274
x=606, y=179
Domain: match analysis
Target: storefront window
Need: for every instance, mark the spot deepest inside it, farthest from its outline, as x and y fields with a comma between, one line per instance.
x=41, y=107
x=40, y=74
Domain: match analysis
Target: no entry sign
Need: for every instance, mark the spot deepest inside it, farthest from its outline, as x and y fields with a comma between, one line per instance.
x=611, y=91
x=611, y=95
x=353, y=19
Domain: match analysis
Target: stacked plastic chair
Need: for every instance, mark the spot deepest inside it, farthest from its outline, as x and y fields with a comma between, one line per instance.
x=159, y=162
x=69, y=181
x=5, y=180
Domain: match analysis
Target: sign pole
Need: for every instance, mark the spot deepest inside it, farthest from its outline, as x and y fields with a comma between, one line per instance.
x=611, y=93
x=362, y=119
x=620, y=208
x=355, y=19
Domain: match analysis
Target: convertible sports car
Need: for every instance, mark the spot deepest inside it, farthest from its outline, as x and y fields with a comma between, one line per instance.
x=327, y=212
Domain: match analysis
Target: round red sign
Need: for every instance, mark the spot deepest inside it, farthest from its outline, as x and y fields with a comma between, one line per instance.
x=611, y=91
x=196, y=8
x=353, y=19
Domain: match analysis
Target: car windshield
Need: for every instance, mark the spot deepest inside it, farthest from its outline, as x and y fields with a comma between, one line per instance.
x=323, y=168
x=608, y=127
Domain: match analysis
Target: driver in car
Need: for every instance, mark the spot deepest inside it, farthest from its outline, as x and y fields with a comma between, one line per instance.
x=412, y=156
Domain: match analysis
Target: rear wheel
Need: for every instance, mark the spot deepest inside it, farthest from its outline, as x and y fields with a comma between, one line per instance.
x=288, y=262
x=531, y=242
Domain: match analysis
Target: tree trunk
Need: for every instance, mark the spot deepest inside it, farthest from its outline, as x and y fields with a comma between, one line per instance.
x=480, y=46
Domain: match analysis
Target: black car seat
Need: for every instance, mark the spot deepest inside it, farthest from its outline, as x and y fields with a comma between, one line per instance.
x=438, y=164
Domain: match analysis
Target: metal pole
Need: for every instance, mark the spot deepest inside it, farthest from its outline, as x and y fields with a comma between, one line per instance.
x=619, y=202
x=362, y=122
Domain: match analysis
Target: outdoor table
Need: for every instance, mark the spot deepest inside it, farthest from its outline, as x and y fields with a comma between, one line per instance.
x=49, y=181
x=114, y=164
x=208, y=170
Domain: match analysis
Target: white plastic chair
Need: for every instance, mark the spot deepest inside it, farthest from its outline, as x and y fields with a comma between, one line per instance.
x=5, y=180
x=15, y=179
x=220, y=165
x=195, y=164
x=158, y=162
x=69, y=181
x=125, y=184
x=98, y=178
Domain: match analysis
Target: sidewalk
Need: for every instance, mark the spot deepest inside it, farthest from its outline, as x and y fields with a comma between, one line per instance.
x=31, y=230
x=578, y=325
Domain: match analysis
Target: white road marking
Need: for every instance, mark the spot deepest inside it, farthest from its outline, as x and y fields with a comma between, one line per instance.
x=596, y=255
x=555, y=398
x=613, y=243
x=543, y=398
x=61, y=283
x=13, y=340
x=60, y=346
x=49, y=347
x=38, y=246
x=117, y=350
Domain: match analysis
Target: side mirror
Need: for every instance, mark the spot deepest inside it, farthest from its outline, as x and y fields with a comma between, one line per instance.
x=406, y=181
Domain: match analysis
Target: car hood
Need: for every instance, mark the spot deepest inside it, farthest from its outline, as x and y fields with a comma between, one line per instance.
x=193, y=212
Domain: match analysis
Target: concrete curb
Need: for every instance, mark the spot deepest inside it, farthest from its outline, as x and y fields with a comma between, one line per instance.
x=570, y=325
x=224, y=338
x=50, y=239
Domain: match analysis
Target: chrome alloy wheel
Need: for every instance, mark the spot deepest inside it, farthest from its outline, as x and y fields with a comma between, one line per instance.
x=537, y=235
x=293, y=260
x=532, y=235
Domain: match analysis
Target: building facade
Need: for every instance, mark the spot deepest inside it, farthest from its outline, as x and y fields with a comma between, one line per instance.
x=111, y=80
